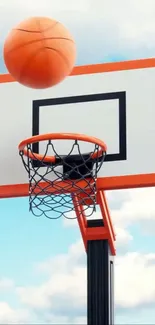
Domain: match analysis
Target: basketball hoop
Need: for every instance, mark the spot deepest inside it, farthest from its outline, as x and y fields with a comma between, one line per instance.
x=55, y=178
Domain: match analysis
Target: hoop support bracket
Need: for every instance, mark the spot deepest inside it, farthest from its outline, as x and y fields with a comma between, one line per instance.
x=96, y=233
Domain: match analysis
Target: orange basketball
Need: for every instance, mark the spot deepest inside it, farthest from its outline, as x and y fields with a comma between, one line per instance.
x=39, y=52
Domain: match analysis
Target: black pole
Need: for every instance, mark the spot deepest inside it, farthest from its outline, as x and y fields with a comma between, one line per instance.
x=100, y=281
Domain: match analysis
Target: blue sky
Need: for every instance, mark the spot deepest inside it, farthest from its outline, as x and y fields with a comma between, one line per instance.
x=43, y=263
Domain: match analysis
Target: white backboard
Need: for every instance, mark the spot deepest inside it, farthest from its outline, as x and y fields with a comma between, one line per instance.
x=116, y=106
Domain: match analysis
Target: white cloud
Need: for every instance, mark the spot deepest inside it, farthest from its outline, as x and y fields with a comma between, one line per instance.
x=134, y=274
x=58, y=294
x=123, y=238
x=138, y=208
x=64, y=262
x=67, y=281
x=6, y=284
x=9, y=315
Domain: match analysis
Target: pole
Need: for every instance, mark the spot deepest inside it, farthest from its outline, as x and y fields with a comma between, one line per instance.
x=100, y=280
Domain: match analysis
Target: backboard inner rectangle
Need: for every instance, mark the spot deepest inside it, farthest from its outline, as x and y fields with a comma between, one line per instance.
x=99, y=115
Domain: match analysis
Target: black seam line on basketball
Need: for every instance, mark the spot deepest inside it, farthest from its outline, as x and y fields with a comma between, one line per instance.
x=37, y=31
x=39, y=40
x=57, y=51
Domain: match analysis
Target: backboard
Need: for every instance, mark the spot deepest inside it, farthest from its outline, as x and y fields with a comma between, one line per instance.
x=114, y=102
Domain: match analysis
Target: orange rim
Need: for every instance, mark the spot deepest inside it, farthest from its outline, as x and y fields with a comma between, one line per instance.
x=59, y=136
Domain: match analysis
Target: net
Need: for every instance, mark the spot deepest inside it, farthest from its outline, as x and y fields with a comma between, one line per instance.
x=52, y=184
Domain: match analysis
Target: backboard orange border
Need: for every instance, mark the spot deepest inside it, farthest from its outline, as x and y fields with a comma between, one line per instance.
x=107, y=183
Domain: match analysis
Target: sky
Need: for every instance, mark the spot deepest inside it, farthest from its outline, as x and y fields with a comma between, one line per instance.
x=43, y=262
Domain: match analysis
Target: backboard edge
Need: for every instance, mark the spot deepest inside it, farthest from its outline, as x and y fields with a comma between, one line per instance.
x=99, y=68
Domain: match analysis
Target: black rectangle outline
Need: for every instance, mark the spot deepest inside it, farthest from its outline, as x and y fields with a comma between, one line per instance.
x=121, y=96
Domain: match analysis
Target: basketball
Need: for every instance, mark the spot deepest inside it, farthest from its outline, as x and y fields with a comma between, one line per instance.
x=39, y=52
